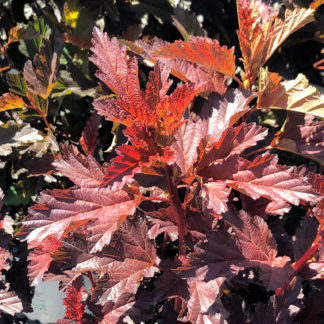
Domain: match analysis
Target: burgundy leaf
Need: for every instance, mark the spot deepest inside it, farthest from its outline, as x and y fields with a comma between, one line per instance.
x=119, y=73
x=222, y=113
x=84, y=171
x=59, y=212
x=4, y=257
x=258, y=246
x=41, y=258
x=186, y=143
x=43, y=166
x=264, y=177
x=137, y=307
x=114, y=310
x=303, y=135
x=254, y=246
x=234, y=140
x=263, y=207
x=139, y=260
x=202, y=306
x=281, y=308
x=89, y=137
x=215, y=194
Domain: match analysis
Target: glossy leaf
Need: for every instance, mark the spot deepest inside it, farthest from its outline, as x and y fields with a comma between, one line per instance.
x=260, y=36
x=264, y=177
x=139, y=260
x=202, y=51
x=61, y=211
x=294, y=95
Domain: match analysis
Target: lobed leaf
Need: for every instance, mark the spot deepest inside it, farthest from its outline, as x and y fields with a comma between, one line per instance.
x=260, y=36
x=41, y=76
x=203, y=306
x=85, y=172
x=137, y=260
x=302, y=135
x=294, y=95
x=187, y=23
x=264, y=177
x=182, y=69
x=41, y=258
x=10, y=101
x=61, y=211
x=202, y=51
x=89, y=137
x=18, y=33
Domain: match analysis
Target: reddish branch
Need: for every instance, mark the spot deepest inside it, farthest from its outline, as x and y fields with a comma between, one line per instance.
x=181, y=219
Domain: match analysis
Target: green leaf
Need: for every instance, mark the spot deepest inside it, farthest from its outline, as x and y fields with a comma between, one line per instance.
x=18, y=194
x=17, y=84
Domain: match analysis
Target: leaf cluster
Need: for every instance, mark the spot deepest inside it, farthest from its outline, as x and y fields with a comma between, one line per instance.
x=204, y=202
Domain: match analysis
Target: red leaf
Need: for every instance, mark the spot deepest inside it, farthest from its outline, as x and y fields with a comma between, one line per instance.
x=125, y=165
x=197, y=137
x=114, y=310
x=181, y=68
x=254, y=246
x=139, y=260
x=74, y=307
x=186, y=143
x=280, y=307
x=83, y=204
x=89, y=140
x=259, y=247
x=202, y=51
x=152, y=108
x=118, y=73
x=215, y=193
x=85, y=172
x=233, y=141
x=41, y=258
x=203, y=306
x=219, y=114
x=264, y=177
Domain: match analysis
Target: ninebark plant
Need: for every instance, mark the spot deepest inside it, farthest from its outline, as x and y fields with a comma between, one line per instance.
x=181, y=217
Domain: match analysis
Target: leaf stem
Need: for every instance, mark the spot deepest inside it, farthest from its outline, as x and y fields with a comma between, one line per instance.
x=181, y=222
x=46, y=122
x=302, y=261
x=258, y=150
x=157, y=199
x=90, y=276
x=4, y=68
x=240, y=83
